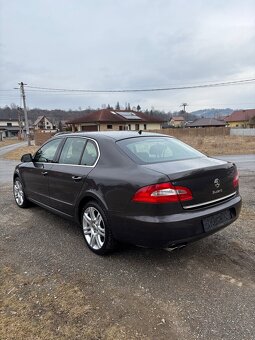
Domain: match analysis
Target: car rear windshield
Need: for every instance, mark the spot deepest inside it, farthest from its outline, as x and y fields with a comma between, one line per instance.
x=148, y=150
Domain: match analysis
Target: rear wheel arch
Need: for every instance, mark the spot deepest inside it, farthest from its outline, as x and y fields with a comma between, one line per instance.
x=88, y=198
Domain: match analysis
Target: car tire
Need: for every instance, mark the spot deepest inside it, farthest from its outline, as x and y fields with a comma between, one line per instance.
x=96, y=230
x=19, y=194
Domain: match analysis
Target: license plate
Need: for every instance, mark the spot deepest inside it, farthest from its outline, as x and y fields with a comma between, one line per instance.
x=216, y=221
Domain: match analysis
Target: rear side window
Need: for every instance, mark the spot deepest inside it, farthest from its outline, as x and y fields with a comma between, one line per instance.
x=78, y=151
x=90, y=154
x=72, y=151
x=148, y=150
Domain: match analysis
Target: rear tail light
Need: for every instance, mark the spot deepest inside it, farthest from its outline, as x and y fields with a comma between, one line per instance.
x=162, y=193
x=236, y=180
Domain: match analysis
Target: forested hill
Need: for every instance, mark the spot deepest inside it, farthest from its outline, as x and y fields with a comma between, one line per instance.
x=213, y=113
x=53, y=115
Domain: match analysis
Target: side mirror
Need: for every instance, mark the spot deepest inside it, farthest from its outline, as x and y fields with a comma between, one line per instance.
x=27, y=158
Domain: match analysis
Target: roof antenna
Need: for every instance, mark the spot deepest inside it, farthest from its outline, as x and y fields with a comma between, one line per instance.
x=140, y=132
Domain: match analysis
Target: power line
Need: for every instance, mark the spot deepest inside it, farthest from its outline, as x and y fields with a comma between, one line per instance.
x=226, y=83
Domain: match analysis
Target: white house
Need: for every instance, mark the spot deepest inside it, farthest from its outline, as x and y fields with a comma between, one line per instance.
x=44, y=124
x=9, y=127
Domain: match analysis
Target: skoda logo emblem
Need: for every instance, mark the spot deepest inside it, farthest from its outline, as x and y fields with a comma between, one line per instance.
x=217, y=183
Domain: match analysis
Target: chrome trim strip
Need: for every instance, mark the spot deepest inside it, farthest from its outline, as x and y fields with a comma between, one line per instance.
x=85, y=166
x=209, y=202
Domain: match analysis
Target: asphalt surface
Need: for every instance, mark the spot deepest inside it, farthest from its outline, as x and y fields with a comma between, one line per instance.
x=245, y=163
x=203, y=291
x=7, y=167
x=7, y=148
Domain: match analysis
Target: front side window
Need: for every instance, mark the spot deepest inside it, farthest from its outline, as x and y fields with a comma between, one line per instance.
x=72, y=151
x=47, y=151
x=148, y=150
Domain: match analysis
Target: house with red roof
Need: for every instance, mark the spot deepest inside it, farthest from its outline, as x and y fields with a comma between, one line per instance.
x=110, y=120
x=241, y=119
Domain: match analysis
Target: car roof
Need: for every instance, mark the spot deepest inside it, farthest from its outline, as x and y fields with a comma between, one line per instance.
x=116, y=135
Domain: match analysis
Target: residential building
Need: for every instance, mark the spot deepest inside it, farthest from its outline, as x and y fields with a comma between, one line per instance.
x=206, y=122
x=241, y=119
x=9, y=127
x=44, y=124
x=109, y=120
x=177, y=121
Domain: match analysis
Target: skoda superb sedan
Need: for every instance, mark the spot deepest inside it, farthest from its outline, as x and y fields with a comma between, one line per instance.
x=147, y=189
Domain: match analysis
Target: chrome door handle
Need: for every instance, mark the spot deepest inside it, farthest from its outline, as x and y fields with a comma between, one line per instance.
x=44, y=173
x=76, y=178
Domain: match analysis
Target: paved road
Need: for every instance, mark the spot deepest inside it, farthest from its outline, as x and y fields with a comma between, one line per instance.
x=6, y=166
x=7, y=148
x=244, y=162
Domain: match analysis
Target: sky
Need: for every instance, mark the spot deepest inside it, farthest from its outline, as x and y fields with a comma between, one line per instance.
x=131, y=44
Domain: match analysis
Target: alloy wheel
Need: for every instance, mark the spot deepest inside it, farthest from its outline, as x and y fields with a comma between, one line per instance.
x=18, y=192
x=93, y=228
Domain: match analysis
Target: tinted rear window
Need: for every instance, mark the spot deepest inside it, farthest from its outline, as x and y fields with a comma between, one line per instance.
x=148, y=150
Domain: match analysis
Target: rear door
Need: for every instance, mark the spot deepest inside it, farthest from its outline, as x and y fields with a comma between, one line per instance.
x=68, y=175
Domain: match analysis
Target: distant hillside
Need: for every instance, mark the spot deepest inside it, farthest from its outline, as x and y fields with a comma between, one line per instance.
x=33, y=114
x=212, y=113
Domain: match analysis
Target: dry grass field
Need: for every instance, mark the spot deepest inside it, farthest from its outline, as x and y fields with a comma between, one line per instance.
x=211, y=145
x=222, y=145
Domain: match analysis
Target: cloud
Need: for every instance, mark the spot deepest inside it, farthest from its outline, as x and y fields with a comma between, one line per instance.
x=129, y=44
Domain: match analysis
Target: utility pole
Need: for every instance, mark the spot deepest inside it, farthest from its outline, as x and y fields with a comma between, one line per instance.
x=22, y=93
x=20, y=124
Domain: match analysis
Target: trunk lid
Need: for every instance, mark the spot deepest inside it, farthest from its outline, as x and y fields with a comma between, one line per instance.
x=210, y=180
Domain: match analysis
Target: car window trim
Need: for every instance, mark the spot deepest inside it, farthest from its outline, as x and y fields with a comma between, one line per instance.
x=87, y=139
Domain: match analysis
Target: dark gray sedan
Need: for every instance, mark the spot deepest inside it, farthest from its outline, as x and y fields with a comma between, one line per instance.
x=146, y=189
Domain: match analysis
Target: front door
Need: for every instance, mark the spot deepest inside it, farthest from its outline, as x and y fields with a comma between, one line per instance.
x=36, y=173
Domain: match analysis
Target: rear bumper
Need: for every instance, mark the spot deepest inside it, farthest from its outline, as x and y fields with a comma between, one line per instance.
x=171, y=230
